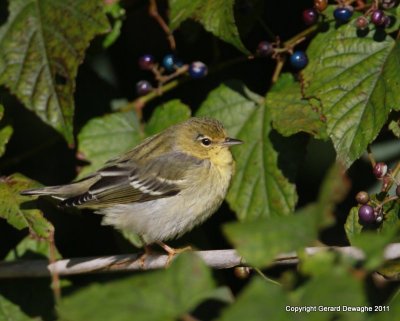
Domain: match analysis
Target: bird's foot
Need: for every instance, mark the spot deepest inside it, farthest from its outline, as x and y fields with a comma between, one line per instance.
x=172, y=251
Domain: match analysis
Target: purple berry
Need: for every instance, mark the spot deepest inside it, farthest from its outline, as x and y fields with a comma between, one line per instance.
x=299, y=59
x=362, y=197
x=310, y=16
x=378, y=18
x=361, y=23
x=143, y=87
x=198, y=69
x=343, y=14
x=366, y=214
x=146, y=62
x=265, y=49
x=380, y=170
x=387, y=21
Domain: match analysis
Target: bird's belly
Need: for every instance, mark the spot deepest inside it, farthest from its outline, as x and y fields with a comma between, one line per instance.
x=169, y=217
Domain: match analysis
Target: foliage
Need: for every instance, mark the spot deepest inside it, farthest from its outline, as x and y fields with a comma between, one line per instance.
x=285, y=196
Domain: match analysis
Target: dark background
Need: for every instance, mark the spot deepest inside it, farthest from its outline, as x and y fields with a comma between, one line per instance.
x=40, y=153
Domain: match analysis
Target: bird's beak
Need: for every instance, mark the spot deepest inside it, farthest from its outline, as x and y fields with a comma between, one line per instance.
x=231, y=141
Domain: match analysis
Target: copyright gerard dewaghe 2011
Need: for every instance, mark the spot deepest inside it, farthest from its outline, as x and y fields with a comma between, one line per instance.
x=338, y=308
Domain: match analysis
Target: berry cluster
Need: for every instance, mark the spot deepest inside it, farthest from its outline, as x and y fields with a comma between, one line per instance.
x=171, y=67
x=370, y=211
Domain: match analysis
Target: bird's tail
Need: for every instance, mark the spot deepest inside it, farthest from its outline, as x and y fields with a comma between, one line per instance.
x=63, y=191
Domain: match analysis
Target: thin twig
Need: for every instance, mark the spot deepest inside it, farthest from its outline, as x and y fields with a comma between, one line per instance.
x=153, y=11
x=218, y=259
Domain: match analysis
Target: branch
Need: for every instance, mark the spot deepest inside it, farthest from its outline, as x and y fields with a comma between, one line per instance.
x=218, y=259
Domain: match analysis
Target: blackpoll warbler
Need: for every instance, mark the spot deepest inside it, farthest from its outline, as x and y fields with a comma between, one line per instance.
x=162, y=188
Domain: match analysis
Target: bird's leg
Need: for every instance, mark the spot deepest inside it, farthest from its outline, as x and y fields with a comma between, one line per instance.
x=172, y=251
x=147, y=251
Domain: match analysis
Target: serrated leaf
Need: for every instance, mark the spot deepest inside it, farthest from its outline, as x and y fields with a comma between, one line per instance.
x=11, y=312
x=290, y=112
x=5, y=132
x=16, y=209
x=216, y=16
x=166, y=115
x=42, y=45
x=258, y=300
x=162, y=295
x=258, y=188
x=106, y=137
x=356, y=80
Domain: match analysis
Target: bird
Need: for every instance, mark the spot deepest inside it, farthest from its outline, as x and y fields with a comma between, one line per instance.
x=162, y=188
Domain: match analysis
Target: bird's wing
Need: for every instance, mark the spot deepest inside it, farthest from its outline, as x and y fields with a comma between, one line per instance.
x=128, y=182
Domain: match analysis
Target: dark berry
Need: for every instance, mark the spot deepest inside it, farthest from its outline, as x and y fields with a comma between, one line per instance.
x=310, y=16
x=320, y=5
x=343, y=14
x=388, y=4
x=143, y=87
x=378, y=18
x=362, y=197
x=197, y=69
x=398, y=190
x=265, y=49
x=299, y=59
x=387, y=21
x=366, y=214
x=146, y=62
x=380, y=170
x=170, y=62
x=361, y=23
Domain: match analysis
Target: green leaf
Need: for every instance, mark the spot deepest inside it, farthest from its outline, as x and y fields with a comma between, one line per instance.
x=356, y=80
x=117, y=13
x=106, y=137
x=216, y=16
x=5, y=132
x=394, y=126
x=352, y=227
x=260, y=241
x=258, y=300
x=11, y=312
x=167, y=115
x=41, y=50
x=17, y=210
x=31, y=248
x=330, y=285
x=290, y=112
x=258, y=188
x=162, y=295
x=373, y=245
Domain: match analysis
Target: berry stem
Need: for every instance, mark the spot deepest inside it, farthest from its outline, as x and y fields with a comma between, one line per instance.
x=153, y=12
x=371, y=156
x=278, y=68
x=138, y=104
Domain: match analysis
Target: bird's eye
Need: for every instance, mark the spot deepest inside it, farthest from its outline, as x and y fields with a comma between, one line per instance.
x=206, y=142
